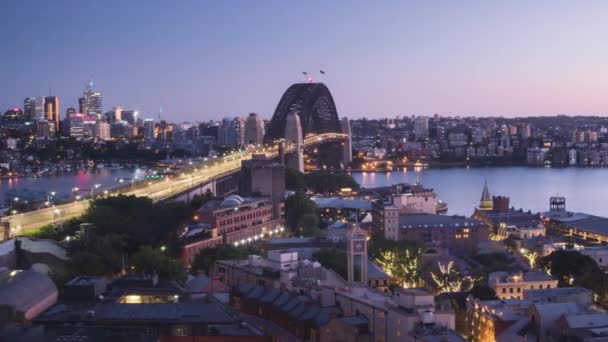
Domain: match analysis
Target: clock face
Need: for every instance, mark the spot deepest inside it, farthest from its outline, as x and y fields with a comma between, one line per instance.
x=359, y=246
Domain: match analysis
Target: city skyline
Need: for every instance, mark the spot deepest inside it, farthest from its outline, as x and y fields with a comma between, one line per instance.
x=202, y=61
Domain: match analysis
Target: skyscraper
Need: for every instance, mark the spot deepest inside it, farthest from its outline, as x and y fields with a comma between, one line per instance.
x=253, y=129
x=90, y=102
x=149, y=130
x=29, y=108
x=51, y=110
x=231, y=132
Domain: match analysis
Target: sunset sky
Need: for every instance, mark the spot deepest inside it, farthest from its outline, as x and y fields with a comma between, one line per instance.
x=202, y=60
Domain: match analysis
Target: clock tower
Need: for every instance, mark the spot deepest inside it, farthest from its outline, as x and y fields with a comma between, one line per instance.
x=356, y=255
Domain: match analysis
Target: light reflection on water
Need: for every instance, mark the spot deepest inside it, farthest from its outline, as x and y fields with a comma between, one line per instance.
x=528, y=188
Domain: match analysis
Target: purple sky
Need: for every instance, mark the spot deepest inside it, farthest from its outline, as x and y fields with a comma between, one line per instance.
x=202, y=60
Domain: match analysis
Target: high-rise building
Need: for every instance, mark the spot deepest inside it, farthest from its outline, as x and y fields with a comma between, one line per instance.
x=129, y=116
x=231, y=132
x=51, y=110
x=90, y=102
x=29, y=108
x=149, y=130
x=118, y=110
x=254, y=130
x=421, y=127
x=69, y=112
x=76, y=124
x=45, y=129
x=102, y=131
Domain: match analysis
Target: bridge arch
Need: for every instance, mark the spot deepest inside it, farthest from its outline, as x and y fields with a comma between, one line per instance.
x=316, y=108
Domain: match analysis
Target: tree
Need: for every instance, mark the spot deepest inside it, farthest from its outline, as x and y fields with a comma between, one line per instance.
x=482, y=291
x=334, y=259
x=403, y=265
x=207, y=257
x=97, y=255
x=138, y=218
x=153, y=261
x=328, y=182
x=296, y=206
x=450, y=279
x=294, y=180
x=573, y=268
x=310, y=225
x=199, y=200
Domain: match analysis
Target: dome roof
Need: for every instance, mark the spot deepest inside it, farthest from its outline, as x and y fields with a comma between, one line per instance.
x=233, y=200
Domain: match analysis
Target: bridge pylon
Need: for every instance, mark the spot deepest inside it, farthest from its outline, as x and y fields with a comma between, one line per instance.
x=293, y=135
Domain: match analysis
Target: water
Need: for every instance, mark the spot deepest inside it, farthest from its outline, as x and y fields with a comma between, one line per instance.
x=62, y=184
x=529, y=188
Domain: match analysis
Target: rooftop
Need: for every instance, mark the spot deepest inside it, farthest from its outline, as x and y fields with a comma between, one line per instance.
x=517, y=218
x=339, y=203
x=407, y=221
x=506, y=277
x=582, y=221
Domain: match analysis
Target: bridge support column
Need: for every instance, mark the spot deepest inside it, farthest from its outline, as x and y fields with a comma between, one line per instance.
x=293, y=134
x=347, y=149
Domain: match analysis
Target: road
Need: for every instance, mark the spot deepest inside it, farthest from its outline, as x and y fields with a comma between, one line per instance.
x=156, y=190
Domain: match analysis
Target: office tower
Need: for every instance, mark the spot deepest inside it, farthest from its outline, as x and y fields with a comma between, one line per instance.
x=102, y=130
x=421, y=127
x=82, y=105
x=253, y=129
x=76, y=124
x=45, y=129
x=118, y=113
x=231, y=132
x=69, y=112
x=90, y=103
x=238, y=126
x=51, y=110
x=129, y=116
x=29, y=108
x=149, y=130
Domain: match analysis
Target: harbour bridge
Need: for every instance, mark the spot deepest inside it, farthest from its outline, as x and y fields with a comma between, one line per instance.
x=305, y=118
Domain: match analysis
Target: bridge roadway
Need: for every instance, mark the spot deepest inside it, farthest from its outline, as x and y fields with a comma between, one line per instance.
x=157, y=190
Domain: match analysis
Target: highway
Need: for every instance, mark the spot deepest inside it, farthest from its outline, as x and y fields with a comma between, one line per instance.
x=157, y=190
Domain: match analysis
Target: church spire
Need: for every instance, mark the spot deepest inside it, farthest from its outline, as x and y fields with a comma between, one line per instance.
x=486, y=200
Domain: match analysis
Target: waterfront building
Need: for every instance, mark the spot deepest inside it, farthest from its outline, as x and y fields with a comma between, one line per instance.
x=76, y=125
x=537, y=156
x=51, y=111
x=458, y=234
x=421, y=127
x=254, y=130
x=234, y=220
x=403, y=199
x=103, y=131
x=580, y=225
x=513, y=286
x=506, y=222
